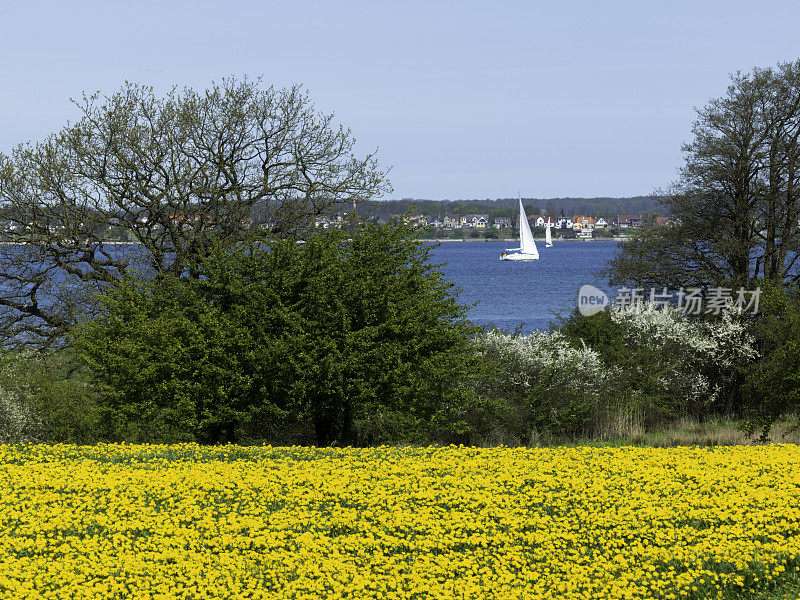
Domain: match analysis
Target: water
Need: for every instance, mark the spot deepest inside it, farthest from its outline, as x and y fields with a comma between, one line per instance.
x=526, y=294
x=508, y=294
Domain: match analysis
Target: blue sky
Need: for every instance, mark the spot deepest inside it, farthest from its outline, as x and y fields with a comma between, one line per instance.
x=462, y=99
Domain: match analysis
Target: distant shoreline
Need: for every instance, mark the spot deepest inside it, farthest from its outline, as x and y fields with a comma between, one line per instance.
x=556, y=241
x=448, y=240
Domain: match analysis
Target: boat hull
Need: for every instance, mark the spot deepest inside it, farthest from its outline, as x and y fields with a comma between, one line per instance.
x=519, y=256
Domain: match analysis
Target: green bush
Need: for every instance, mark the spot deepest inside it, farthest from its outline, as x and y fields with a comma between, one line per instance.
x=773, y=382
x=349, y=340
x=45, y=397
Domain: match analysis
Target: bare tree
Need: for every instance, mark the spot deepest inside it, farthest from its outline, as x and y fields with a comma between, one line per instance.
x=735, y=205
x=174, y=174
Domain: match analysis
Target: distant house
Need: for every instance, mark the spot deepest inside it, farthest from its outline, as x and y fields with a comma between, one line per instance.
x=583, y=225
x=663, y=221
x=476, y=221
x=481, y=221
x=541, y=221
x=600, y=223
x=536, y=220
x=629, y=221
x=450, y=222
x=564, y=222
x=416, y=220
x=502, y=222
x=531, y=221
x=435, y=222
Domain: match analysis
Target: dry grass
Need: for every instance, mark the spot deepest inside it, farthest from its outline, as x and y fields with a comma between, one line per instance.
x=715, y=432
x=620, y=424
x=625, y=428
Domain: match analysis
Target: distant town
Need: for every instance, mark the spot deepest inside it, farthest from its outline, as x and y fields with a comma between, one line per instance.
x=481, y=225
x=569, y=218
x=582, y=218
x=437, y=219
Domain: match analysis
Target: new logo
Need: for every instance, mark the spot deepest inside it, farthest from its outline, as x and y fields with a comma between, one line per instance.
x=591, y=300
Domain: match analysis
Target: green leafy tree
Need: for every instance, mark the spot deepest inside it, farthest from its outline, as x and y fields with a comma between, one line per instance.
x=177, y=174
x=354, y=334
x=735, y=204
x=774, y=380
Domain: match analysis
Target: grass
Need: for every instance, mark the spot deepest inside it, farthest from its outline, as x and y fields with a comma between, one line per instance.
x=715, y=432
x=787, y=589
x=684, y=432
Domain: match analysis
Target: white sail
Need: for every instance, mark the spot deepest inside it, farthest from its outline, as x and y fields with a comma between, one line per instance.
x=527, y=249
x=527, y=245
x=548, y=240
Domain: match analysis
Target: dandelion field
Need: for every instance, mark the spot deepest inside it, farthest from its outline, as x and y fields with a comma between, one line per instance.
x=186, y=521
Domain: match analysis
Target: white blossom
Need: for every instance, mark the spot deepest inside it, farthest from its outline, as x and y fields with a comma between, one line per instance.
x=546, y=359
x=18, y=419
x=689, y=350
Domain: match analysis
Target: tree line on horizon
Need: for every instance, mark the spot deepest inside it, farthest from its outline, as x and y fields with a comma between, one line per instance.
x=507, y=207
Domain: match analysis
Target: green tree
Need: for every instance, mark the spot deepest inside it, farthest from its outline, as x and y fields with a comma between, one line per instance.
x=177, y=174
x=774, y=380
x=359, y=338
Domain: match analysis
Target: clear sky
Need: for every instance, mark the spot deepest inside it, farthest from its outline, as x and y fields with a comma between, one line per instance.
x=462, y=99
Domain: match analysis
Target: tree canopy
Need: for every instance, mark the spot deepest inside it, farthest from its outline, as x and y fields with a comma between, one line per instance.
x=734, y=207
x=173, y=173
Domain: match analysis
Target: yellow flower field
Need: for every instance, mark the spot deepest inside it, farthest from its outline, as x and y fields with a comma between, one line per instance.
x=230, y=522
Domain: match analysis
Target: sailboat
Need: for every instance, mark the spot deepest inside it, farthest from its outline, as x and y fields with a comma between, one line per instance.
x=548, y=240
x=527, y=247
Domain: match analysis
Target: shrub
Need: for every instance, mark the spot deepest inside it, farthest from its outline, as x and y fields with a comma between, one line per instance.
x=666, y=363
x=359, y=339
x=773, y=382
x=692, y=364
x=543, y=385
x=18, y=419
x=44, y=398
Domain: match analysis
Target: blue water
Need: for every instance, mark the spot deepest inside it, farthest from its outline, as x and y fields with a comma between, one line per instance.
x=527, y=294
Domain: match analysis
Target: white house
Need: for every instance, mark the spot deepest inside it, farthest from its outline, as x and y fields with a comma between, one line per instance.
x=479, y=221
x=564, y=223
x=450, y=222
x=416, y=220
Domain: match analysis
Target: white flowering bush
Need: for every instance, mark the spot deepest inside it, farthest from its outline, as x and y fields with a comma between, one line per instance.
x=541, y=383
x=544, y=357
x=692, y=362
x=45, y=398
x=18, y=419
x=613, y=374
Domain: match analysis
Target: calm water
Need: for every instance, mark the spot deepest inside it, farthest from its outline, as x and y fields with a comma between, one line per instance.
x=510, y=293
